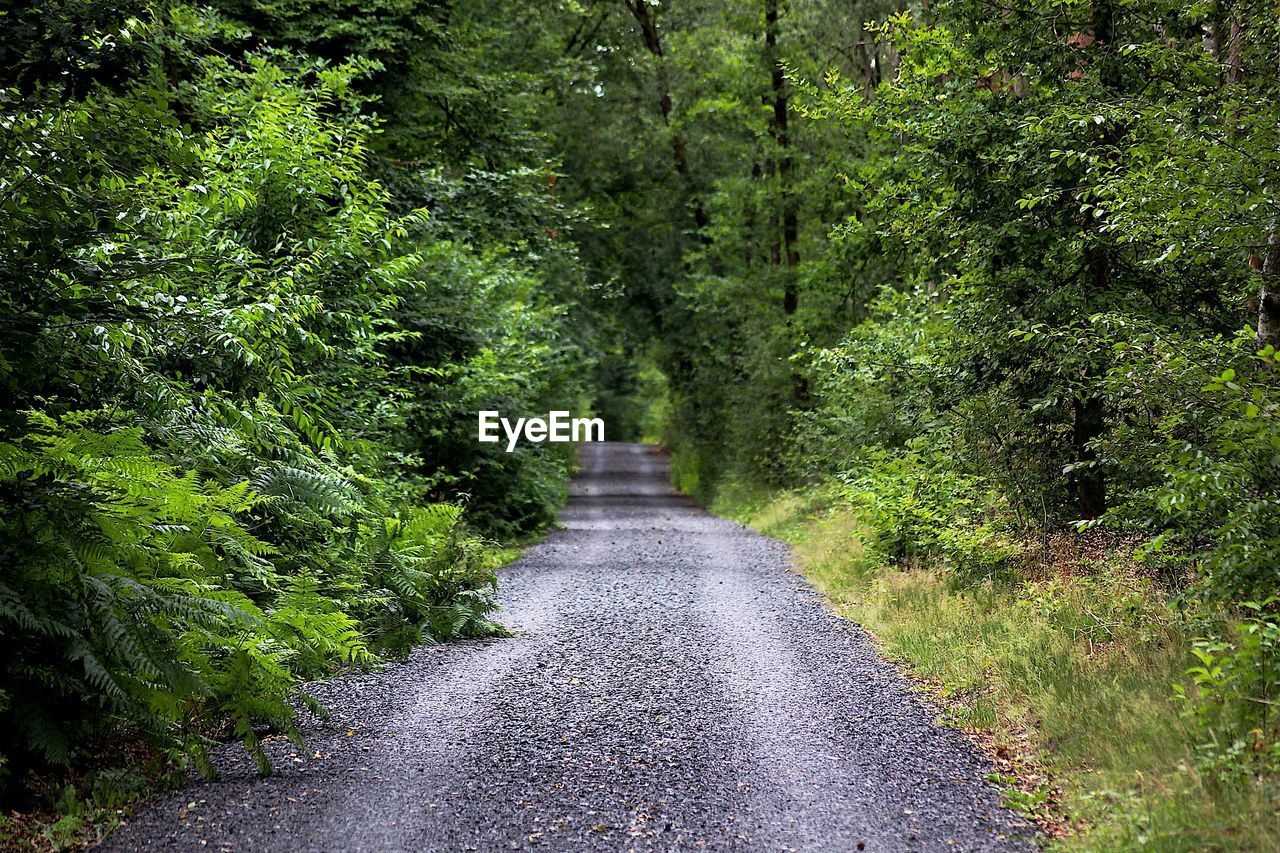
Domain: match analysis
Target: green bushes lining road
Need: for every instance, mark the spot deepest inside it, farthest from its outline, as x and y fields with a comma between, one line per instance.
x=1066, y=666
x=240, y=360
x=984, y=280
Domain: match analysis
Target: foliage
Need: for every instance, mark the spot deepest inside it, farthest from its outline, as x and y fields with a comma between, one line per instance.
x=981, y=280
x=1235, y=686
x=238, y=375
x=920, y=509
x=990, y=277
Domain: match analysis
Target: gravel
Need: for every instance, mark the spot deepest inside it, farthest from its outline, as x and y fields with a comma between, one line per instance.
x=672, y=684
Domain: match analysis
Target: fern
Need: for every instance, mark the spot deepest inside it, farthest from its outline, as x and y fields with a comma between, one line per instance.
x=208, y=481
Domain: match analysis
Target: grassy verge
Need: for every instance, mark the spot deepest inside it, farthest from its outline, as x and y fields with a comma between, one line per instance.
x=1065, y=674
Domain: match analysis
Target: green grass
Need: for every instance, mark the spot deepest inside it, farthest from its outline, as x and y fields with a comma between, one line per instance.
x=1066, y=679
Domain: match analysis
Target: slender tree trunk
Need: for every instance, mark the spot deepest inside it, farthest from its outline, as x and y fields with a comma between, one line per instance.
x=643, y=13
x=1269, y=294
x=1104, y=24
x=1235, y=46
x=1088, y=424
x=749, y=241
x=1088, y=410
x=1268, y=265
x=787, y=249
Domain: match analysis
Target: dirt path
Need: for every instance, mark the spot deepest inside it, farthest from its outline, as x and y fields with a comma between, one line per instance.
x=672, y=684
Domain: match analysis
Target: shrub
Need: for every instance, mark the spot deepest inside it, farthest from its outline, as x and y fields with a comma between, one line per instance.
x=203, y=505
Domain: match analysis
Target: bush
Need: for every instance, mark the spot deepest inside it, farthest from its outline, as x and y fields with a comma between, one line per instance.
x=206, y=498
x=1235, y=684
x=920, y=508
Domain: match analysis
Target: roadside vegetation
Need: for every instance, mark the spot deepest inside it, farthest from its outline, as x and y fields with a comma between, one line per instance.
x=257, y=276
x=1067, y=672
x=985, y=296
x=977, y=303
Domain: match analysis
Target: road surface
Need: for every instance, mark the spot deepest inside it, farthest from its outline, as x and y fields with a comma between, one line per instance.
x=672, y=684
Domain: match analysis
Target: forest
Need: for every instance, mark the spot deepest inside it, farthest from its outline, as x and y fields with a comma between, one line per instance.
x=974, y=302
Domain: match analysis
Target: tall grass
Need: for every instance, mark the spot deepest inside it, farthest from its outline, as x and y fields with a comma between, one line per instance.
x=1065, y=674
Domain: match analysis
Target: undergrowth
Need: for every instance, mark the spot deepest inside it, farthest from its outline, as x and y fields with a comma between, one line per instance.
x=1072, y=668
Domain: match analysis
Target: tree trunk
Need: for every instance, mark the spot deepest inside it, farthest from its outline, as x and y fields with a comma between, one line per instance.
x=643, y=13
x=1269, y=294
x=787, y=249
x=1235, y=46
x=1088, y=425
x=1088, y=410
x=749, y=235
x=1268, y=266
x=1104, y=25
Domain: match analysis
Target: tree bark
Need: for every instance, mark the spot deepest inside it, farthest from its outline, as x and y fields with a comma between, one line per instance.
x=1269, y=294
x=1235, y=46
x=1088, y=410
x=1268, y=265
x=1088, y=424
x=643, y=13
x=787, y=247
x=749, y=235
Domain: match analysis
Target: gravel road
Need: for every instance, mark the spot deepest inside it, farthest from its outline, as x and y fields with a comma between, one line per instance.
x=671, y=684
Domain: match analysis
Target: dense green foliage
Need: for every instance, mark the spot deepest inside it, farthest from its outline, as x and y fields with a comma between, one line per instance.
x=990, y=276
x=248, y=322
x=997, y=274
